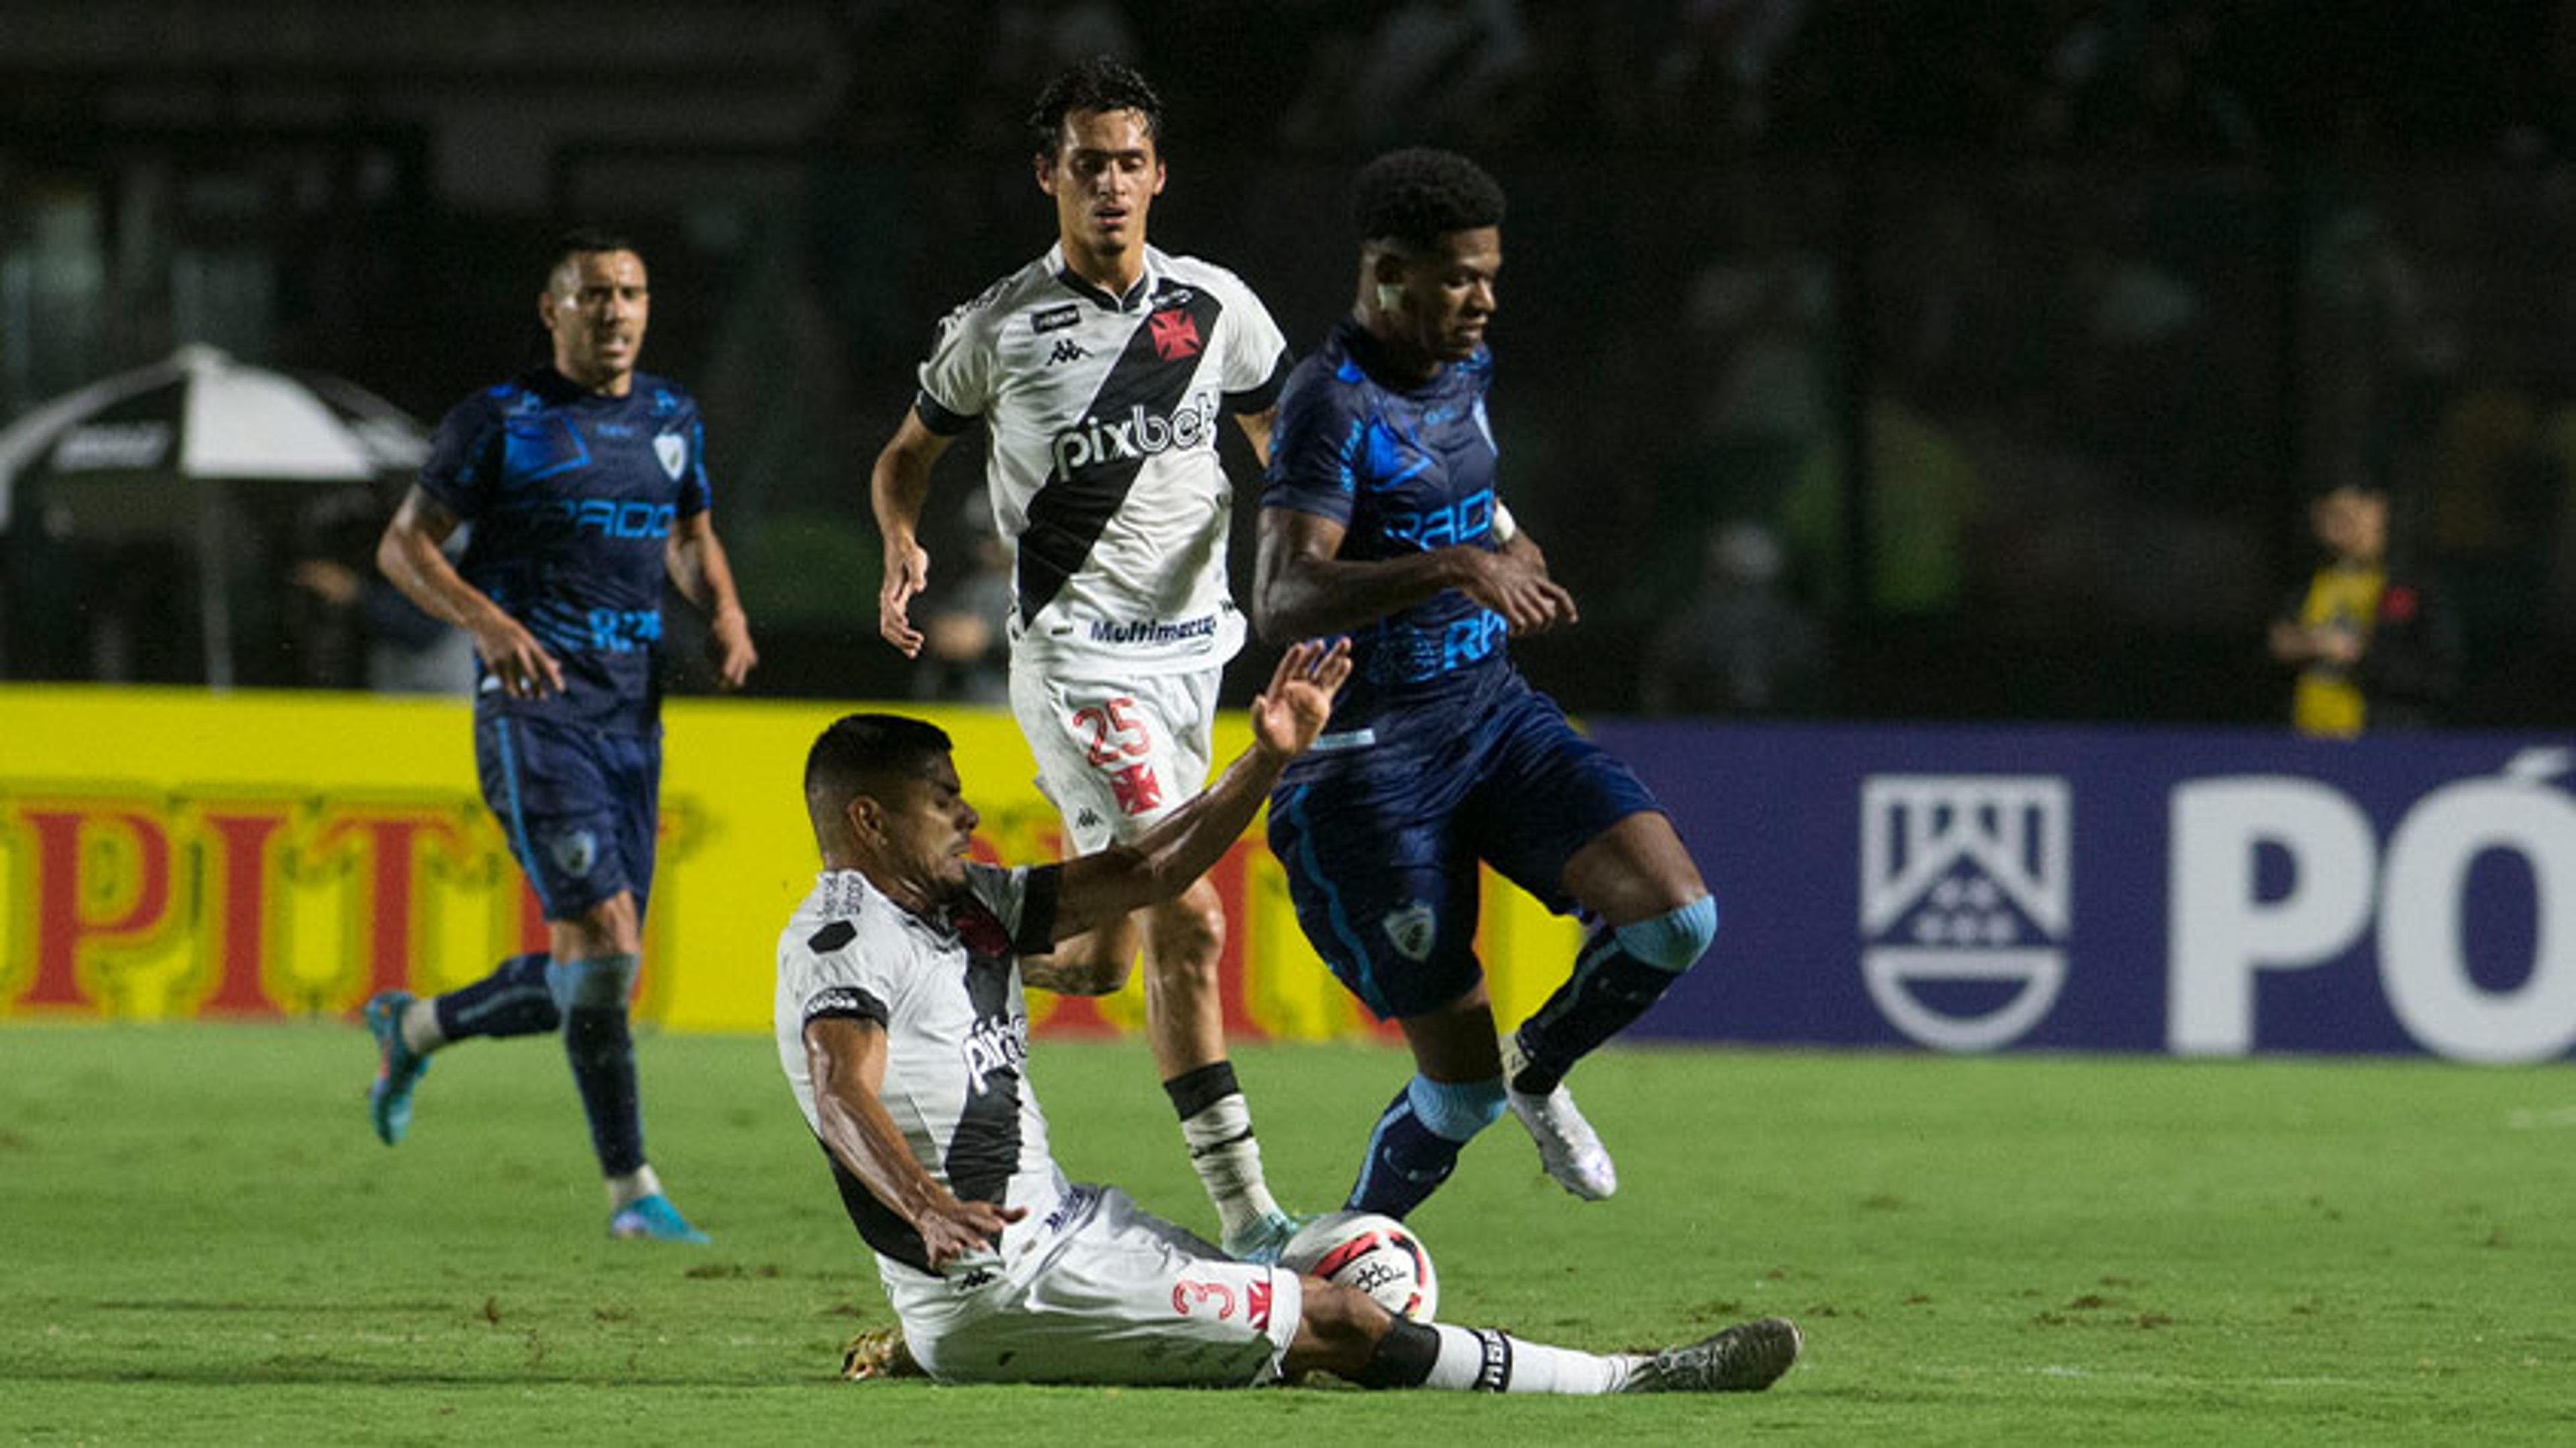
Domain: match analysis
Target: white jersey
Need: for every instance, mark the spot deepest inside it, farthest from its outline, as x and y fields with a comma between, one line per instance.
x=1088, y=1287
x=957, y=1039
x=1101, y=454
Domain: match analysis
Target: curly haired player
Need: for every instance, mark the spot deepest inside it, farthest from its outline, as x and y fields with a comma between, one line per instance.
x=1381, y=521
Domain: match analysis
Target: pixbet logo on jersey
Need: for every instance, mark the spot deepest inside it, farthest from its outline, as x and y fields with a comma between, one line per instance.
x=1139, y=436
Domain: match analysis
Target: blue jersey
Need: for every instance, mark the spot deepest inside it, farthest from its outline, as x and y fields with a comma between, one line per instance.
x=1404, y=471
x=573, y=497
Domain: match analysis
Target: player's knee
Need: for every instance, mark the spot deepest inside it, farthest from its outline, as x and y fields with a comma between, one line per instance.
x=1674, y=940
x=1187, y=935
x=601, y=983
x=1456, y=1109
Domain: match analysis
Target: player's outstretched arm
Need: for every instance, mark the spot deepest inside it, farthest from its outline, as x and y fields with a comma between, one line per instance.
x=1161, y=863
x=1303, y=588
x=847, y=1060
x=409, y=555
x=896, y=488
x=695, y=559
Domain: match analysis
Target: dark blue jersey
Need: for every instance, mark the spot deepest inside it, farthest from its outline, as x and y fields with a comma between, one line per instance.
x=573, y=496
x=1405, y=471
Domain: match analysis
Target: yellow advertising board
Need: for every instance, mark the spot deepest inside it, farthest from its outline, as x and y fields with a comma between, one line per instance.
x=172, y=853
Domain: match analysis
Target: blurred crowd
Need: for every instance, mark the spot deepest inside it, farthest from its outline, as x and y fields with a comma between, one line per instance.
x=1874, y=359
x=2174, y=79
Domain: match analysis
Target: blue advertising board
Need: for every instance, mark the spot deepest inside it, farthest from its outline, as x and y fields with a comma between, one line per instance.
x=2195, y=892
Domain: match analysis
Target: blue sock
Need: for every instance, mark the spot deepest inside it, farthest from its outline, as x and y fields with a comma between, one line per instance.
x=601, y=1049
x=1617, y=976
x=1418, y=1139
x=512, y=1001
x=602, y=1052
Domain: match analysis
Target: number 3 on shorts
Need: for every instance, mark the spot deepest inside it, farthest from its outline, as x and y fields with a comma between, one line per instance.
x=1116, y=730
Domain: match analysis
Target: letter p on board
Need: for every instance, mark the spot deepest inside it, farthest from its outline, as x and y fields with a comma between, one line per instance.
x=2220, y=931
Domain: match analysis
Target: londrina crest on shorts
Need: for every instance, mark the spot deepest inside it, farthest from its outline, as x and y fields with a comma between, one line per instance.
x=576, y=852
x=1413, y=929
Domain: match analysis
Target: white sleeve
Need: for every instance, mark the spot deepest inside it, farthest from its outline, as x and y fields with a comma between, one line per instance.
x=959, y=373
x=1253, y=349
x=837, y=975
x=1022, y=899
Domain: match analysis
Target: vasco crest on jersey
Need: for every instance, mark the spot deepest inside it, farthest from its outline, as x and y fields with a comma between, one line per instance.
x=1176, y=334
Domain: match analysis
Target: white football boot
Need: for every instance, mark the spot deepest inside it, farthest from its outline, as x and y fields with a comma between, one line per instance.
x=1567, y=1145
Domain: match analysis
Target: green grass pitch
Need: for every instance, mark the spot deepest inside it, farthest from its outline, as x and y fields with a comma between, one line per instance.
x=200, y=1242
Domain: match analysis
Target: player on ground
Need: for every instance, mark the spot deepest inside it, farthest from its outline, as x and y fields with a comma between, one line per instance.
x=904, y=1036
x=586, y=484
x=1100, y=371
x=1381, y=521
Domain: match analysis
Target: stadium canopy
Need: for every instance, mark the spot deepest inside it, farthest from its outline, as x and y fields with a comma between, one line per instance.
x=155, y=452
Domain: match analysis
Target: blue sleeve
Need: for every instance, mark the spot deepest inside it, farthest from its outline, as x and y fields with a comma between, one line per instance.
x=696, y=493
x=1318, y=446
x=465, y=457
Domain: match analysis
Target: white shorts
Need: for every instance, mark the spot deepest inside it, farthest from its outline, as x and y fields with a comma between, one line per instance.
x=1116, y=756
x=1117, y=1296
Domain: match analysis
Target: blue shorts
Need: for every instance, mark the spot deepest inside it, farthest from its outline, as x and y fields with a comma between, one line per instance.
x=1381, y=838
x=579, y=807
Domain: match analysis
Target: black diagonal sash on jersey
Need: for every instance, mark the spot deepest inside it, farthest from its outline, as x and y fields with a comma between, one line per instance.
x=986, y=1149
x=880, y=1226
x=1067, y=514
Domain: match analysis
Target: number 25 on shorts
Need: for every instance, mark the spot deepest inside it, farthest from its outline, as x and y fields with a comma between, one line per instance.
x=1116, y=730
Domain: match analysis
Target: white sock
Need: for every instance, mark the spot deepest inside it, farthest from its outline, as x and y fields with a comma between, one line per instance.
x=419, y=1027
x=635, y=1186
x=1483, y=1359
x=1228, y=1159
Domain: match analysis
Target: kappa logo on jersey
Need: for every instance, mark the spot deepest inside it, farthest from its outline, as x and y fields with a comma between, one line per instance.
x=1055, y=319
x=1139, y=435
x=1176, y=334
x=1413, y=930
x=996, y=1045
x=673, y=450
x=1136, y=788
x=1067, y=350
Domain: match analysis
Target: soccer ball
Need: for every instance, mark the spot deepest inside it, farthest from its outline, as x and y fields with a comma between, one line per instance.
x=1376, y=1254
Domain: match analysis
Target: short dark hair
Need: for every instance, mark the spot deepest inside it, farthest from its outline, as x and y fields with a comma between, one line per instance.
x=1102, y=83
x=583, y=241
x=1416, y=196
x=860, y=748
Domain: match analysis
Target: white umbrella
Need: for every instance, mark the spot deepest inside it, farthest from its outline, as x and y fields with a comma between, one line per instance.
x=148, y=451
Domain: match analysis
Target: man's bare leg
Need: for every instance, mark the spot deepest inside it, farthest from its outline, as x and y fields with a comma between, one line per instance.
x=1185, y=1019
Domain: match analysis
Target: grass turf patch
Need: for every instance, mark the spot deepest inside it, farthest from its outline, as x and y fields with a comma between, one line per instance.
x=200, y=1241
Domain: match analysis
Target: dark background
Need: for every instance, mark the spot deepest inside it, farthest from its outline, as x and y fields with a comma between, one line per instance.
x=2026, y=329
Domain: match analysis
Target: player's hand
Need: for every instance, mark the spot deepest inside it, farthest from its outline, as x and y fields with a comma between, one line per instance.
x=1288, y=715
x=950, y=1229
x=730, y=632
x=1514, y=583
x=907, y=573
x=512, y=655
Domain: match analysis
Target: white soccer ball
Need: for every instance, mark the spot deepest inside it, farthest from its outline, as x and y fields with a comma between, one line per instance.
x=1376, y=1254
